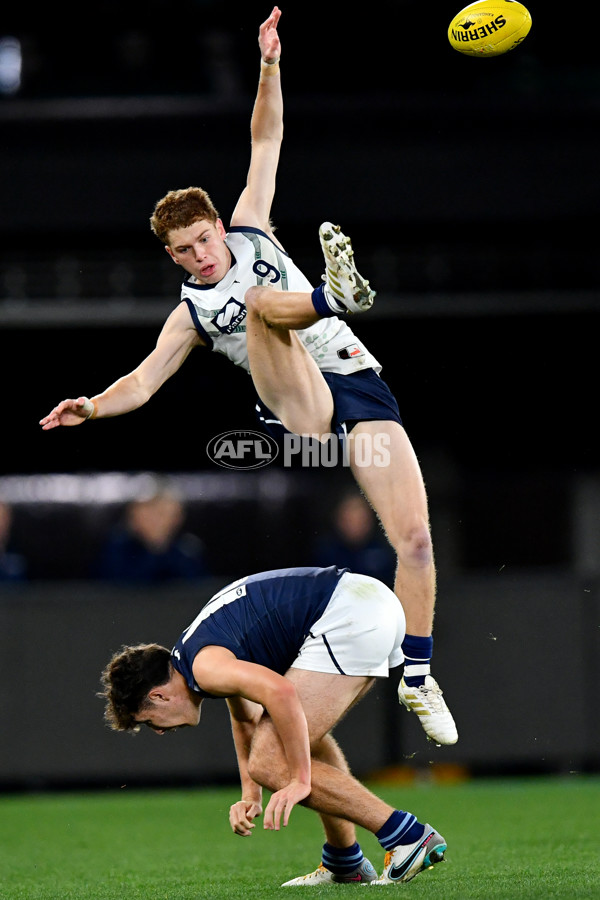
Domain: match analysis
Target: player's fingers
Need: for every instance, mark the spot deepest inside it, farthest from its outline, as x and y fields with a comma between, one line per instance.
x=51, y=421
x=55, y=413
x=269, y=816
x=288, y=809
x=277, y=806
x=276, y=820
x=241, y=815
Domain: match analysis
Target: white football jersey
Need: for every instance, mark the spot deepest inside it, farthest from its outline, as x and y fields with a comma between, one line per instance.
x=219, y=310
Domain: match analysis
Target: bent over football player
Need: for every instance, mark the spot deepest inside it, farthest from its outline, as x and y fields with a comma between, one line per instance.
x=244, y=297
x=291, y=650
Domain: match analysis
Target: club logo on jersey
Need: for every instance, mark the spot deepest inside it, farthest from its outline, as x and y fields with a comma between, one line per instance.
x=350, y=352
x=230, y=316
x=242, y=450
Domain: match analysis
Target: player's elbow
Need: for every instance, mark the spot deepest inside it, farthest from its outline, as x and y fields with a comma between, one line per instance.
x=268, y=143
x=139, y=388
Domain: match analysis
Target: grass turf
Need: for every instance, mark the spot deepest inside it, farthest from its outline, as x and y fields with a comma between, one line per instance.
x=523, y=839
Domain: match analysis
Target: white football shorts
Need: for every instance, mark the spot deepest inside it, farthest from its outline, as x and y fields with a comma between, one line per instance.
x=360, y=632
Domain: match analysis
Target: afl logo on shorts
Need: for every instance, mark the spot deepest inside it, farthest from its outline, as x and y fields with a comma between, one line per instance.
x=230, y=316
x=242, y=449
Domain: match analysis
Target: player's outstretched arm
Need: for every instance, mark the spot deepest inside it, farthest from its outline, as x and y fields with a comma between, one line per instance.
x=254, y=205
x=175, y=341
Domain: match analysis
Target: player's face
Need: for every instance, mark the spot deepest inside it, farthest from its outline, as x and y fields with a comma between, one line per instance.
x=201, y=250
x=178, y=712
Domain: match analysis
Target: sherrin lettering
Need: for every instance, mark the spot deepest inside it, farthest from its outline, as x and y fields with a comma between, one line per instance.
x=468, y=34
x=489, y=27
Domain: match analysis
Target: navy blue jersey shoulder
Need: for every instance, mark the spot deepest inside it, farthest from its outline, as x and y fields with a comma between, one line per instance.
x=263, y=618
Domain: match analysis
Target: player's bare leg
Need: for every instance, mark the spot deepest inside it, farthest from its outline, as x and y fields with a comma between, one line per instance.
x=286, y=377
x=339, y=833
x=397, y=493
x=335, y=793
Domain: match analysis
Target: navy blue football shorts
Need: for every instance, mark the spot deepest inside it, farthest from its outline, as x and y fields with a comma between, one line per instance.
x=358, y=397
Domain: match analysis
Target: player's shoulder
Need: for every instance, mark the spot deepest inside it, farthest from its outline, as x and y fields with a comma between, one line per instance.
x=180, y=325
x=179, y=318
x=254, y=236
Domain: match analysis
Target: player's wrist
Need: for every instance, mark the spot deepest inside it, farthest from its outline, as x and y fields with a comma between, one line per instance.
x=269, y=68
x=90, y=409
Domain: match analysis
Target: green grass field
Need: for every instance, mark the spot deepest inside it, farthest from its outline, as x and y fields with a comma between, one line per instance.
x=514, y=838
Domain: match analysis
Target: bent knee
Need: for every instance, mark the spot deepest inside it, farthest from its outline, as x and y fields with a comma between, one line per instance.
x=258, y=302
x=415, y=548
x=266, y=762
x=264, y=770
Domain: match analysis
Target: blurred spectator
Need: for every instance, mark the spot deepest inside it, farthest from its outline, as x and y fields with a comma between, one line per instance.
x=150, y=546
x=356, y=541
x=13, y=565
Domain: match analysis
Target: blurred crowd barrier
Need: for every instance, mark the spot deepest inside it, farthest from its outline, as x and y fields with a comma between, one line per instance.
x=58, y=526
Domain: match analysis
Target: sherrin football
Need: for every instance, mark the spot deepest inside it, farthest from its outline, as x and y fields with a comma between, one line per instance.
x=489, y=27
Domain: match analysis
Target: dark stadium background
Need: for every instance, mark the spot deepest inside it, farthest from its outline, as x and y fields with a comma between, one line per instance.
x=470, y=188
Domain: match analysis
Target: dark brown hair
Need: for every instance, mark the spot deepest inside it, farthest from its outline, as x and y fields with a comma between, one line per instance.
x=128, y=679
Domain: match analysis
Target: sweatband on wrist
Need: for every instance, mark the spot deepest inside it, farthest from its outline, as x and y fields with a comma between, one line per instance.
x=269, y=68
x=90, y=408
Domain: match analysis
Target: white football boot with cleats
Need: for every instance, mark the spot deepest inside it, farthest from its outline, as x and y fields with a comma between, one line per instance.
x=427, y=701
x=363, y=874
x=342, y=281
x=405, y=861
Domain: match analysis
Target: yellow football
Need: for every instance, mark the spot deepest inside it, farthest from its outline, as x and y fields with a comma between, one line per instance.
x=489, y=27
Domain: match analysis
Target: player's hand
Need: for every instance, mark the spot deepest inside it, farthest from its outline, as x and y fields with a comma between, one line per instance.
x=68, y=412
x=282, y=802
x=268, y=39
x=241, y=815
